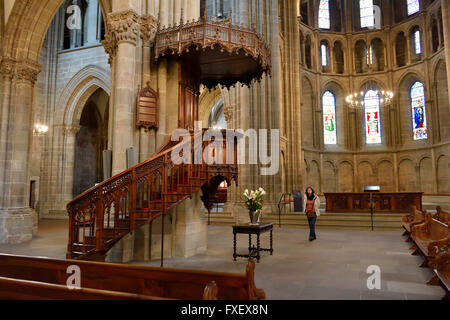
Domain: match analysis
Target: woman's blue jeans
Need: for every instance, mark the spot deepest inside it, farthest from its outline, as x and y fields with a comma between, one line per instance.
x=312, y=226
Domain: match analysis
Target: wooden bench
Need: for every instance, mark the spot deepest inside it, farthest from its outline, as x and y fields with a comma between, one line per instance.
x=442, y=215
x=16, y=289
x=148, y=281
x=441, y=267
x=414, y=217
x=431, y=237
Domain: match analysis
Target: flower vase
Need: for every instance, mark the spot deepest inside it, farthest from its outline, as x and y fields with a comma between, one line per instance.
x=254, y=217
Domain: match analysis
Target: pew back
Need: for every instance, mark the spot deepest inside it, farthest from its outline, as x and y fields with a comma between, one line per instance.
x=414, y=217
x=17, y=289
x=442, y=215
x=152, y=281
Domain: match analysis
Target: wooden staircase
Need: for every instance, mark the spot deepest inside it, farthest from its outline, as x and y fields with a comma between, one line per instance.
x=104, y=214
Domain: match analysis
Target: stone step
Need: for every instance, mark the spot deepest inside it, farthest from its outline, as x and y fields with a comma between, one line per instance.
x=354, y=221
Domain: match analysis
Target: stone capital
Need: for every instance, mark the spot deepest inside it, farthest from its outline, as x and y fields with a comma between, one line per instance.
x=7, y=67
x=122, y=26
x=70, y=130
x=148, y=25
x=22, y=70
x=228, y=112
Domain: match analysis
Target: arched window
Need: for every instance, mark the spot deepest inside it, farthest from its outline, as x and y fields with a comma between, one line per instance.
x=417, y=43
x=413, y=7
x=418, y=111
x=329, y=118
x=372, y=117
x=324, y=54
x=324, y=14
x=366, y=13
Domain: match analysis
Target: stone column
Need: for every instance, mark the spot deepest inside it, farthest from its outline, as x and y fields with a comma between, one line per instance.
x=69, y=132
x=147, y=137
x=189, y=228
x=193, y=10
x=120, y=43
x=446, y=25
x=18, y=222
x=91, y=22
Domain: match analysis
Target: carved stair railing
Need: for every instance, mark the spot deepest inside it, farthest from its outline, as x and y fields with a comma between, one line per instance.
x=104, y=214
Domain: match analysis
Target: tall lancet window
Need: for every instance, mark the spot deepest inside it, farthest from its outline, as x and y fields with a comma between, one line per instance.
x=372, y=117
x=367, y=13
x=329, y=118
x=417, y=43
x=413, y=7
x=324, y=14
x=324, y=54
x=418, y=111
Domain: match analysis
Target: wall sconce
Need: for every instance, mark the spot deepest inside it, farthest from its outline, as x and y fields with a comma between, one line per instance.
x=40, y=129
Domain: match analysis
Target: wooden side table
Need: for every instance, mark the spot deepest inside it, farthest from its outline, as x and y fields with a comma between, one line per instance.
x=250, y=230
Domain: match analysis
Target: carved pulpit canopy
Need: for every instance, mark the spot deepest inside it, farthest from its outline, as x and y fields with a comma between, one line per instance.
x=147, y=108
x=221, y=52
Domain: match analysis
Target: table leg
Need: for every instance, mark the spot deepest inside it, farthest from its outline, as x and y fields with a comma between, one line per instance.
x=234, y=246
x=258, y=249
x=271, y=242
x=249, y=243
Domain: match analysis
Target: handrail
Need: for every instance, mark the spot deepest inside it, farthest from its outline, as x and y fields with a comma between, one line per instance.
x=282, y=203
x=152, y=158
x=102, y=215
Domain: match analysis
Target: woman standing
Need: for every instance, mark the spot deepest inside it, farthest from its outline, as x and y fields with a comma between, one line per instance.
x=311, y=204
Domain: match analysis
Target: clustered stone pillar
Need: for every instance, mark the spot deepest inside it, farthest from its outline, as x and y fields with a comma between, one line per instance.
x=120, y=43
x=18, y=222
x=446, y=27
x=69, y=133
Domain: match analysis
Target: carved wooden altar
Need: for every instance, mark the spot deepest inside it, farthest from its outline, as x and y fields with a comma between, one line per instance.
x=382, y=202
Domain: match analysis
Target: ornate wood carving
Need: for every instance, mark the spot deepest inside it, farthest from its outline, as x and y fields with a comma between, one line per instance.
x=147, y=108
x=382, y=202
x=204, y=42
x=101, y=216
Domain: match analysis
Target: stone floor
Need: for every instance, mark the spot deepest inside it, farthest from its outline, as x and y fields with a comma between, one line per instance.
x=332, y=267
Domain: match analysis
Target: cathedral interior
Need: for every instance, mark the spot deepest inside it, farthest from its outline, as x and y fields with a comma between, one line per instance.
x=335, y=95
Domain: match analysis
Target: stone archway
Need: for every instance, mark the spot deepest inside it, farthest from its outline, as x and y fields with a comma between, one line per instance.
x=22, y=41
x=27, y=26
x=90, y=140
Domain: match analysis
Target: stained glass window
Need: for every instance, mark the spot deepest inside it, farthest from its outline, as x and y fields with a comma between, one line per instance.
x=372, y=116
x=417, y=43
x=324, y=54
x=413, y=7
x=329, y=118
x=324, y=14
x=367, y=14
x=418, y=111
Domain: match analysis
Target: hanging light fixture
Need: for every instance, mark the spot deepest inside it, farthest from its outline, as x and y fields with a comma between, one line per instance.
x=356, y=99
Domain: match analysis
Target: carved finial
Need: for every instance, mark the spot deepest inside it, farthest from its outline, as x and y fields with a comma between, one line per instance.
x=205, y=16
x=182, y=19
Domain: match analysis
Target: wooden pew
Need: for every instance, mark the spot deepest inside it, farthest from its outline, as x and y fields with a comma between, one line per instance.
x=414, y=217
x=16, y=289
x=149, y=281
x=442, y=215
x=431, y=237
x=441, y=268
